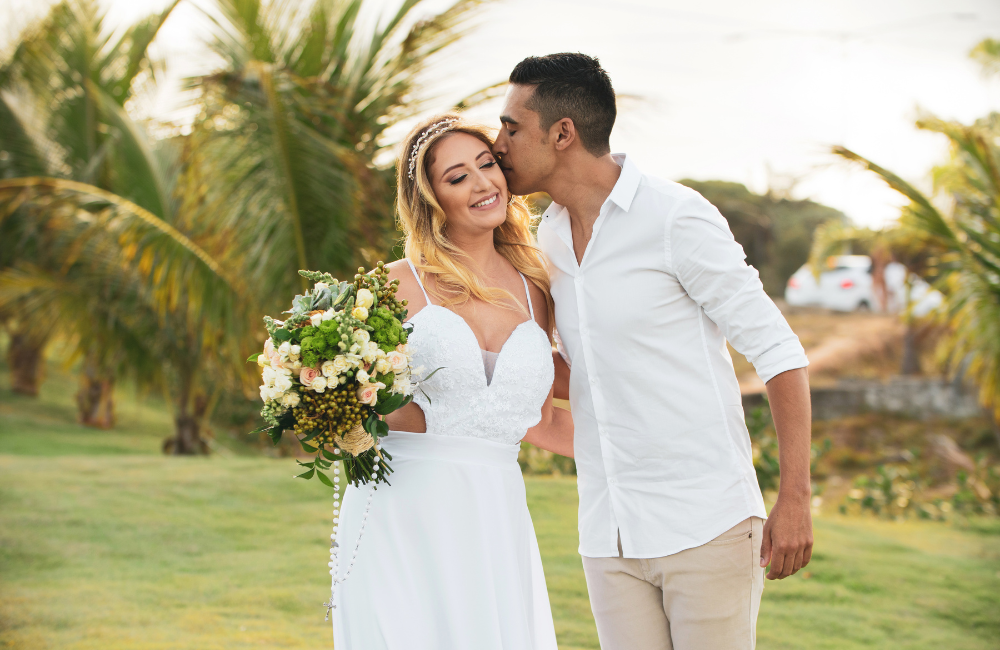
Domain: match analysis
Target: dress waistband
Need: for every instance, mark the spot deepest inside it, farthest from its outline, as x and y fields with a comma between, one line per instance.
x=404, y=445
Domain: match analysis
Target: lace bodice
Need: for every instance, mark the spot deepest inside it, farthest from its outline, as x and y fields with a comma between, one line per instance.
x=459, y=401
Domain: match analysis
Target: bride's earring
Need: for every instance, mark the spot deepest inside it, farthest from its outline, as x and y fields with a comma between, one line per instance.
x=510, y=201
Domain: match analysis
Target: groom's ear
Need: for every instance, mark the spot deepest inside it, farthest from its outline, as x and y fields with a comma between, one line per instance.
x=563, y=134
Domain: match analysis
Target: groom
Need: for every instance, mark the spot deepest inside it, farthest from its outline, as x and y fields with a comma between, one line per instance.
x=649, y=284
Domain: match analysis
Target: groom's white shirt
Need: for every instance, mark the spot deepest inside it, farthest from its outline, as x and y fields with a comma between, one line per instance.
x=662, y=451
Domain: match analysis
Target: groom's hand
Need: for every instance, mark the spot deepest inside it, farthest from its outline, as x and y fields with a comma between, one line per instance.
x=788, y=538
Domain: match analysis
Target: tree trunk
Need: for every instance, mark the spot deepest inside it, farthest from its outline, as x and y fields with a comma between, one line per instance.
x=27, y=363
x=95, y=399
x=187, y=440
x=911, y=351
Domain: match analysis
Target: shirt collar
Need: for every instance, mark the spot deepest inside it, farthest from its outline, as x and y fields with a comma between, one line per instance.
x=628, y=182
x=621, y=195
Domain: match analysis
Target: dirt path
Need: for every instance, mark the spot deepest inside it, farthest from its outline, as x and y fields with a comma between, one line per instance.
x=833, y=342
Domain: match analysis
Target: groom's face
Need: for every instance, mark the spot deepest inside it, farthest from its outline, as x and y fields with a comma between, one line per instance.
x=526, y=157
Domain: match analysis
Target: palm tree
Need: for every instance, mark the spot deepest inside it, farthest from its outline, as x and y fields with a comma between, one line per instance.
x=62, y=115
x=968, y=238
x=132, y=293
x=105, y=241
x=907, y=246
x=295, y=127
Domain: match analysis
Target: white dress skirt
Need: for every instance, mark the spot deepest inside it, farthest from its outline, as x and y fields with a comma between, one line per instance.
x=448, y=558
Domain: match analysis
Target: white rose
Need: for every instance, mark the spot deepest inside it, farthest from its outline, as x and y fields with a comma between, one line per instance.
x=284, y=348
x=297, y=365
x=319, y=384
x=328, y=369
x=291, y=399
x=328, y=314
x=269, y=375
x=401, y=385
x=261, y=360
x=282, y=383
x=370, y=352
x=368, y=394
x=265, y=392
x=397, y=361
x=382, y=366
x=341, y=364
x=362, y=336
x=295, y=350
x=362, y=376
x=360, y=313
x=364, y=299
x=355, y=348
x=320, y=286
x=316, y=319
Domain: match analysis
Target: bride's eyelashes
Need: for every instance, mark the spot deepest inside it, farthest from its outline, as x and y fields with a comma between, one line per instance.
x=459, y=179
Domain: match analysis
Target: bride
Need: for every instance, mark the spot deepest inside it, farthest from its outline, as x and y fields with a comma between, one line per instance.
x=447, y=557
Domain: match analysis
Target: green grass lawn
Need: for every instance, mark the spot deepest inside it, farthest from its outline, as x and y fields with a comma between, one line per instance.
x=105, y=544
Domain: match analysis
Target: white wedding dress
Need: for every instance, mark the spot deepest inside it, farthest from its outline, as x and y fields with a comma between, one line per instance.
x=449, y=559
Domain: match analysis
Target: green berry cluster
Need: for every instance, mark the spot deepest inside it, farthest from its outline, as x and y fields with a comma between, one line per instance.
x=338, y=410
x=385, y=291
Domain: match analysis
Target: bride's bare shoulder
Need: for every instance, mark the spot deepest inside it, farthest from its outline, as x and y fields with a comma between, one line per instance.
x=409, y=290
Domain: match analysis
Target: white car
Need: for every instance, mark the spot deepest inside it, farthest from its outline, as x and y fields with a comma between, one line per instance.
x=847, y=286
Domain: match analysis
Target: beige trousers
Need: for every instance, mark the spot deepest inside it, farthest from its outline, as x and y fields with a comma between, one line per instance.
x=705, y=597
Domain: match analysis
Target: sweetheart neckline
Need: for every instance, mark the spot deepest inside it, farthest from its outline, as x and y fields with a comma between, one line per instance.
x=468, y=328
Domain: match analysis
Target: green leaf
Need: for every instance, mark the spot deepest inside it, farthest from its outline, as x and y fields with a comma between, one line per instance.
x=307, y=475
x=308, y=448
x=381, y=428
x=432, y=374
x=324, y=479
x=391, y=403
x=304, y=464
x=330, y=455
x=371, y=424
x=275, y=433
x=253, y=358
x=280, y=336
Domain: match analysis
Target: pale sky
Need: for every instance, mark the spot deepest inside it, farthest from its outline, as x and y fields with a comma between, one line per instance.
x=752, y=92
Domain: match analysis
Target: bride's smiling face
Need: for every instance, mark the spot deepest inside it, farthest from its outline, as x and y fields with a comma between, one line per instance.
x=468, y=184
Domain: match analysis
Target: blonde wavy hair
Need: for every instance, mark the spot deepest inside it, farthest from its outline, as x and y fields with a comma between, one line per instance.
x=424, y=225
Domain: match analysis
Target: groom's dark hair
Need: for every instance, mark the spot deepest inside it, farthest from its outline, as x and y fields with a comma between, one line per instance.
x=571, y=85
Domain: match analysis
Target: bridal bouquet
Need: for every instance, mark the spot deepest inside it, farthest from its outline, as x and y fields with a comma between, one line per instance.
x=338, y=362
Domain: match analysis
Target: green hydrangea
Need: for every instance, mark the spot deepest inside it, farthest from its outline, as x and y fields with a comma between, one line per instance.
x=387, y=331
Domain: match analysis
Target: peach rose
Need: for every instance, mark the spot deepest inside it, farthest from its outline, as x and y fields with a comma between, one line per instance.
x=275, y=360
x=397, y=360
x=268, y=348
x=368, y=394
x=307, y=375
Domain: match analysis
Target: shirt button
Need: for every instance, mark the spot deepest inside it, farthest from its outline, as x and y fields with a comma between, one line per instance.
x=593, y=381
x=612, y=480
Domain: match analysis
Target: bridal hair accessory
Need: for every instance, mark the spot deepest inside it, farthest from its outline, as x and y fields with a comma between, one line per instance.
x=435, y=129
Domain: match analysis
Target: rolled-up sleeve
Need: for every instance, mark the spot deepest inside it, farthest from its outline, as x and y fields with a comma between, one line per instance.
x=711, y=266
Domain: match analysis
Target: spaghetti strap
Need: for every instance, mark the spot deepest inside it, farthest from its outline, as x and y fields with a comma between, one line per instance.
x=421, y=284
x=527, y=293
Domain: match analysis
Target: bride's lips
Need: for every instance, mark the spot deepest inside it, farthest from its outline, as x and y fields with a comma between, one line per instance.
x=487, y=203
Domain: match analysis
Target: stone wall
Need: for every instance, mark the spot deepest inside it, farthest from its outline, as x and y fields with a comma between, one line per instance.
x=920, y=397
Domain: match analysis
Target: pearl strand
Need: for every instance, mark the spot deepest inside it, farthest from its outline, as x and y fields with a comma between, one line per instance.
x=334, y=563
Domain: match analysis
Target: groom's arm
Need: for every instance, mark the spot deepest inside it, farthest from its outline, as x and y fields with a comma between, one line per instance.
x=788, y=539
x=711, y=266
